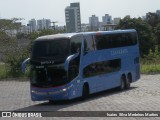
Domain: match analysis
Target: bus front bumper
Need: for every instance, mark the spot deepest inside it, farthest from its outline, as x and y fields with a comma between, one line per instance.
x=40, y=94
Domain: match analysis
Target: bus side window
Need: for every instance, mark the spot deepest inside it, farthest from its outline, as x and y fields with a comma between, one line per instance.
x=89, y=44
x=115, y=40
x=103, y=42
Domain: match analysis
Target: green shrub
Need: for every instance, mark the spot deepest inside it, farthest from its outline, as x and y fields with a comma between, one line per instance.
x=152, y=58
x=150, y=68
x=14, y=60
x=3, y=71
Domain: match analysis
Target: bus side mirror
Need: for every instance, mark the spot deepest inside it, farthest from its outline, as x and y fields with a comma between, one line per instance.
x=79, y=50
x=23, y=66
x=85, y=52
x=70, y=58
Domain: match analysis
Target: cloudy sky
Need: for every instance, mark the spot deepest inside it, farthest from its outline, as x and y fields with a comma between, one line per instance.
x=54, y=9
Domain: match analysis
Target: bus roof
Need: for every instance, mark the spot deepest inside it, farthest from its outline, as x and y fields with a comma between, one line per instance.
x=56, y=36
x=110, y=32
x=69, y=35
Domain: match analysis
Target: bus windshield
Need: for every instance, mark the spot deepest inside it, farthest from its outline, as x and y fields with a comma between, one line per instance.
x=57, y=48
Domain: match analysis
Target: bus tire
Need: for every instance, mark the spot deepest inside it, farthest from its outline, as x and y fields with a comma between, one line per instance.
x=122, y=85
x=51, y=101
x=128, y=81
x=85, y=92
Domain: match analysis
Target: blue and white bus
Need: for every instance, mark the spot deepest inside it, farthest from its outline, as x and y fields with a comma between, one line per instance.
x=71, y=65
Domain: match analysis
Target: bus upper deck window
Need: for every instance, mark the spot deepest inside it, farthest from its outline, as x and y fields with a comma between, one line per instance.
x=89, y=44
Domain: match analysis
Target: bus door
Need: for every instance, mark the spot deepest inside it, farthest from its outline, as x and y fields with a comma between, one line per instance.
x=74, y=62
x=88, y=60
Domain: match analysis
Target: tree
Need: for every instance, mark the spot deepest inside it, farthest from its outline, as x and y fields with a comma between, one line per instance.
x=9, y=24
x=157, y=34
x=7, y=43
x=44, y=32
x=152, y=19
x=144, y=31
x=12, y=53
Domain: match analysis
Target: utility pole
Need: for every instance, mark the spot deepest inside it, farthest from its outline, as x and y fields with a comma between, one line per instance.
x=54, y=27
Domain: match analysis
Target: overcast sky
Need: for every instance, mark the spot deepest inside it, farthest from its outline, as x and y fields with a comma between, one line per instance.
x=54, y=9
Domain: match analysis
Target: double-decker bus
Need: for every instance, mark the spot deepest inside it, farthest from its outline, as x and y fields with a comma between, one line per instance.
x=71, y=65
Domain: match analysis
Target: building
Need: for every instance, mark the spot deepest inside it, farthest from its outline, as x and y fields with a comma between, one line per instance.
x=109, y=27
x=101, y=26
x=85, y=27
x=12, y=32
x=158, y=12
x=73, y=18
x=25, y=29
x=93, y=23
x=43, y=24
x=60, y=27
x=143, y=17
x=106, y=27
x=107, y=19
x=107, y=23
x=116, y=20
x=32, y=24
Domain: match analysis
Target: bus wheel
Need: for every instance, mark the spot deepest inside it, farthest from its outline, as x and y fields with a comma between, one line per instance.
x=51, y=101
x=85, y=92
x=128, y=81
x=128, y=84
x=122, y=86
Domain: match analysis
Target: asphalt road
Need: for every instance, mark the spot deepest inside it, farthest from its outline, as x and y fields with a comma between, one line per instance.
x=144, y=95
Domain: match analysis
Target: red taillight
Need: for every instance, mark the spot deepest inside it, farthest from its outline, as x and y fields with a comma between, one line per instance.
x=98, y=33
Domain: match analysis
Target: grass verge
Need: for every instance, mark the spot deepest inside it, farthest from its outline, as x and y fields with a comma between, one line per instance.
x=6, y=73
x=150, y=68
x=3, y=71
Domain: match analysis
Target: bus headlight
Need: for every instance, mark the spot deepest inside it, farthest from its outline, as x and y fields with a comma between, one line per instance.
x=64, y=89
x=33, y=91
